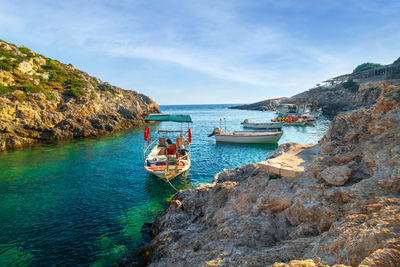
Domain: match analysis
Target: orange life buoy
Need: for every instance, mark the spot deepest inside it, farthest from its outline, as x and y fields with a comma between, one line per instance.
x=190, y=135
x=146, y=133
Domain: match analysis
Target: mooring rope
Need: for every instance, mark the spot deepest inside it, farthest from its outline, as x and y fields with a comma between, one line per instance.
x=172, y=186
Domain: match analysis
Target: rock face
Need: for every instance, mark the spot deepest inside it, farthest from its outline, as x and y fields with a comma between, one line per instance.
x=332, y=100
x=44, y=100
x=344, y=209
x=269, y=104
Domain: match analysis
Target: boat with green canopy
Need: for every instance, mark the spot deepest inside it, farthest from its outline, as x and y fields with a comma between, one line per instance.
x=169, y=155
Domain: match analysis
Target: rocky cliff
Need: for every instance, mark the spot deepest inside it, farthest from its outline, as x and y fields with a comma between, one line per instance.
x=332, y=100
x=269, y=104
x=344, y=209
x=44, y=100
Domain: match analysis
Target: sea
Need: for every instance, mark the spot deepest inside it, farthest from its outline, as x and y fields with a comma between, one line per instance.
x=84, y=202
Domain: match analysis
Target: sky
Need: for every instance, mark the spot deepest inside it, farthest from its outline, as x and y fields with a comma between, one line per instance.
x=208, y=52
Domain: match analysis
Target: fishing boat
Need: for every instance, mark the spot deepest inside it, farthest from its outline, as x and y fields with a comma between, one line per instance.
x=309, y=119
x=169, y=155
x=277, y=126
x=289, y=120
x=246, y=137
x=295, y=123
x=299, y=109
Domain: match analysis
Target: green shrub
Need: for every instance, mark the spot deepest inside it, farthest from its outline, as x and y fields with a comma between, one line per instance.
x=4, y=65
x=76, y=92
x=366, y=66
x=28, y=86
x=19, y=96
x=94, y=83
x=7, y=54
x=372, y=88
x=24, y=49
x=75, y=83
x=28, y=56
x=55, y=86
x=57, y=77
x=48, y=95
x=351, y=85
x=51, y=65
x=104, y=88
x=5, y=89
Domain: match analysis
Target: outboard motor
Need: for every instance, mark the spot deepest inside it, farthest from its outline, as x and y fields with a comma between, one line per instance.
x=216, y=131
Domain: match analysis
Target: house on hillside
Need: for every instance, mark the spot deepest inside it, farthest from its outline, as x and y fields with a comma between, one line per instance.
x=386, y=72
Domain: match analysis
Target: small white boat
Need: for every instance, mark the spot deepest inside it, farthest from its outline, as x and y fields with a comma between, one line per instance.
x=167, y=159
x=246, y=137
x=262, y=125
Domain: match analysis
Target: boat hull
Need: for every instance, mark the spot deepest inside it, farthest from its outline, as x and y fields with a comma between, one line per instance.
x=167, y=176
x=158, y=166
x=249, y=139
x=295, y=123
x=263, y=125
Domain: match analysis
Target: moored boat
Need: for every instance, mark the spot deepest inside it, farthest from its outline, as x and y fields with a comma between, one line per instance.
x=246, y=137
x=165, y=158
x=263, y=125
x=289, y=120
x=295, y=123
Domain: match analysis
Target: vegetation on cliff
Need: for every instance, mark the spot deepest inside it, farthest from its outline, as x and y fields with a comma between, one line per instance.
x=44, y=99
x=24, y=70
x=366, y=66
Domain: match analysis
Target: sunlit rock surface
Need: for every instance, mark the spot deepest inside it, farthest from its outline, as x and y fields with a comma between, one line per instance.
x=344, y=209
x=45, y=100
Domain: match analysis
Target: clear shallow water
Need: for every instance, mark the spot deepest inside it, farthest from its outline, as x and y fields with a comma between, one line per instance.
x=84, y=202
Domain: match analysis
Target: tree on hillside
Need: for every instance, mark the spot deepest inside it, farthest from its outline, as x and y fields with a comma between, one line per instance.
x=397, y=61
x=366, y=66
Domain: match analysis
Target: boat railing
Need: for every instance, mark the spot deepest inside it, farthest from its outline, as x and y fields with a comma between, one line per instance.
x=147, y=145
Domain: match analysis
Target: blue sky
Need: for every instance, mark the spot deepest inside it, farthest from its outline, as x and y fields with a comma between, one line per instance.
x=193, y=52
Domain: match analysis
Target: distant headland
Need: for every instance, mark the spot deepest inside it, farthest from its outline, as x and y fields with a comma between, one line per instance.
x=361, y=88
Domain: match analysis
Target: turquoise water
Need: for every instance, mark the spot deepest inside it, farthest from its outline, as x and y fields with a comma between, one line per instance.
x=83, y=203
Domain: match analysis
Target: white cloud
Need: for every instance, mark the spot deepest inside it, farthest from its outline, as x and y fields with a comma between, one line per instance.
x=220, y=40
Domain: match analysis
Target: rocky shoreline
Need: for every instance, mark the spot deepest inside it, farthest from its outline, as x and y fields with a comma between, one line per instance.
x=43, y=100
x=343, y=209
x=333, y=100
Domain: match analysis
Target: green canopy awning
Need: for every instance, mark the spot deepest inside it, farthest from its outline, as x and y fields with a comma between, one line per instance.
x=169, y=117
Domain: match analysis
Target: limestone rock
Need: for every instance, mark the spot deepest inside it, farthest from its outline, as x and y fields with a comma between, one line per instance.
x=336, y=175
x=35, y=107
x=333, y=100
x=245, y=218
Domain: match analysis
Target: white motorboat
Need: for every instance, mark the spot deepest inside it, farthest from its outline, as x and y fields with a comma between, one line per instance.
x=263, y=125
x=246, y=137
x=167, y=159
